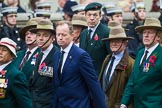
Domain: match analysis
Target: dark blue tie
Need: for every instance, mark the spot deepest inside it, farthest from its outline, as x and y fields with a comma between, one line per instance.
x=60, y=63
x=144, y=58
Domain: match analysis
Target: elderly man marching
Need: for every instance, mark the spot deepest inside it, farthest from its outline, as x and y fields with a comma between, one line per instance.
x=13, y=84
x=116, y=67
x=145, y=83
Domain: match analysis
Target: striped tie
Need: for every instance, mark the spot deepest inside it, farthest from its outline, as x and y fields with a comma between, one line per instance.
x=25, y=59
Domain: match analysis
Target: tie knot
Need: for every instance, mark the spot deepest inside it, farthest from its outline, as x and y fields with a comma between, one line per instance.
x=113, y=58
x=146, y=51
x=89, y=31
x=28, y=52
x=62, y=52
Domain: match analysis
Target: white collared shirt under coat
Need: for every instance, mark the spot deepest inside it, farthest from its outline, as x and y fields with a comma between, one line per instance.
x=66, y=50
x=150, y=50
x=118, y=57
x=46, y=52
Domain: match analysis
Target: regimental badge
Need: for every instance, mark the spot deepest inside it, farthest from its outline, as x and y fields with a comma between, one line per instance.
x=45, y=70
x=34, y=58
x=3, y=86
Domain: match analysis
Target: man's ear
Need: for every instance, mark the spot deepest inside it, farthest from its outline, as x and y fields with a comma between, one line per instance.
x=53, y=39
x=4, y=18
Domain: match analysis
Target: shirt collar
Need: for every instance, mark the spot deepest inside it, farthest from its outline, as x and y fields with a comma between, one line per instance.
x=45, y=52
x=4, y=65
x=32, y=51
x=94, y=29
x=152, y=48
x=67, y=49
x=118, y=56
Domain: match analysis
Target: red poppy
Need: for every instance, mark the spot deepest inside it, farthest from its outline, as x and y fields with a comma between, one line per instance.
x=124, y=67
x=152, y=59
x=3, y=72
x=42, y=65
x=96, y=37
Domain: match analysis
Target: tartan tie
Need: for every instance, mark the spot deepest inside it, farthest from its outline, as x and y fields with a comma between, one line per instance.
x=60, y=63
x=25, y=59
x=107, y=76
x=144, y=58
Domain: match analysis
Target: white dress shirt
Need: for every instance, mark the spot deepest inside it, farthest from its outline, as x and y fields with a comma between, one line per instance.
x=118, y=57
x=31, y=52
x=66, y=50
x=46, y=52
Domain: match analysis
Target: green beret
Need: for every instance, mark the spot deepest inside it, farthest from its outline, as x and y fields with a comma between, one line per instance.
x=93, y=6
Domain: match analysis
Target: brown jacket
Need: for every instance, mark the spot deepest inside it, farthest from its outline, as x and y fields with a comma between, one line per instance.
x=119, y=79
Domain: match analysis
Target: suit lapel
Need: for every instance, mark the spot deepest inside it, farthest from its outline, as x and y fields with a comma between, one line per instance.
x=56, y=65
x=21, y=55
x=84, y=42
x=68, y=60
x=104, y=67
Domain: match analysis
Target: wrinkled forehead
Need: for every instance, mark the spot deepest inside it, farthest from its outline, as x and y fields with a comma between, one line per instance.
x=3, y=47
x=150, y=30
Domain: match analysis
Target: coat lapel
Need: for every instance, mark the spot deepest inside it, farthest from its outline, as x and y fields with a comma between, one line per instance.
x=84, y=40
x=93, y=42
x=56, y=65
x=104, y=67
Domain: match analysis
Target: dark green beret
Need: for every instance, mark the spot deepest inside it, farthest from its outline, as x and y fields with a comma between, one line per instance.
x=93, y=6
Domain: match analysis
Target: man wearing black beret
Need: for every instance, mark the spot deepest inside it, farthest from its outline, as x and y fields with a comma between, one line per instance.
x=91, y=38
